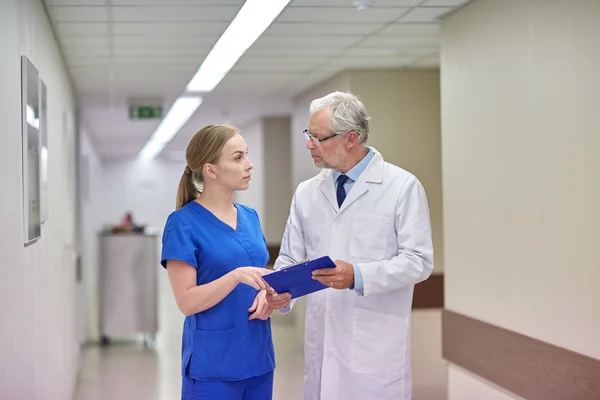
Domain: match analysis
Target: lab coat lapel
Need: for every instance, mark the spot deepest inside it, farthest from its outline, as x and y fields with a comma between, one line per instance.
x=372, y=174
x=327, y=187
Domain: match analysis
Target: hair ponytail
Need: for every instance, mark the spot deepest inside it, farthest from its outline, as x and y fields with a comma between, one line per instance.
x=187, y=191
x=204, y=148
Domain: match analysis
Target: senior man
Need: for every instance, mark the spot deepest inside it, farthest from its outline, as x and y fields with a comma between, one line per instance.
x=372, y=218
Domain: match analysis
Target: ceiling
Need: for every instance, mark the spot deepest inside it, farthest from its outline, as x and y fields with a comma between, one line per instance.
x=119, y=51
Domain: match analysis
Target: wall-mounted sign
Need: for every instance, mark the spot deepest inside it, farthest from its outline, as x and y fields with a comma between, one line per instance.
x=145, y=112
x=31, y=146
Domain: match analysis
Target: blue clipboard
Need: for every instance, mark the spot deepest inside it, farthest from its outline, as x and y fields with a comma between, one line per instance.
x=297, y=279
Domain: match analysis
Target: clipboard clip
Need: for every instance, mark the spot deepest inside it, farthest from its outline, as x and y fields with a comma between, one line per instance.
x=293, y=265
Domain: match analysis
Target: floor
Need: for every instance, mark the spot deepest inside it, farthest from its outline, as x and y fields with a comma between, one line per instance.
x=128, y=370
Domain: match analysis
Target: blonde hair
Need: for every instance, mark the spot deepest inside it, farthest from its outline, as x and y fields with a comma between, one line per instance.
x=204, y=148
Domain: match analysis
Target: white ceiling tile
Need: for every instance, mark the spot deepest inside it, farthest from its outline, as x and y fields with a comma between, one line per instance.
x=79, y=14
x=419, y=52
x=152, y=70
x=86, y=67
x=396, y=42
x=169, y=28
x=276, y=65
x=271, y=68
x=444, y=3
x=132, y=80
x=71, y=52
x=157, y=45
x=408, y=29
x=177, y=2
x=155, y=40
x=308, y=29
x=254, y=83
x=369, y=52
x=87, y=61
x=149, y=88
x=244, y=78
x=90, y=68
x=84, y=76
x=146, y=61
x=387, y=52
x=425, y=14
x=84, y=41
x=281, y=51
x=309, y=80
x=427, y=63
x=305, y=61
x=75, y=2
x=336, y=14
x=176, y=14
x=162, y=50
x=81, y=29
x=430, y=60
x=372, y=62
x=308, y=41
x=350, y=3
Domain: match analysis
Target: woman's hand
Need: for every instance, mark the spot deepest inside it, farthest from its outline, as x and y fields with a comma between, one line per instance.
x=278, y=300
x=251, y=276
x=260, y=308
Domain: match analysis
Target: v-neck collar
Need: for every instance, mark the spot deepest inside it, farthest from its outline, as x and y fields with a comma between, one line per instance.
x=206, y=213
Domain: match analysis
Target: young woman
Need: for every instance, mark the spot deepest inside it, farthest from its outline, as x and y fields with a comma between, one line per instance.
x=215, y=254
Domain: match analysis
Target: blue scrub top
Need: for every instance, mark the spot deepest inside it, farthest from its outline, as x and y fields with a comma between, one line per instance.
x=221, y=343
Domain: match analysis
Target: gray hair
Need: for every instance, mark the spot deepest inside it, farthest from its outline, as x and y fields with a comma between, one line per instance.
x=347, y=114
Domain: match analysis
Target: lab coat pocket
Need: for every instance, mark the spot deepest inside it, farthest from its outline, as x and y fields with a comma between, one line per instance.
x=378, y=343
x=368, y=238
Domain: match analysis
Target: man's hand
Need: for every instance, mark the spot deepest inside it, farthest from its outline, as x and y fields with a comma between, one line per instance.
x=260, y=308
x=278, y=301
x=340, y=277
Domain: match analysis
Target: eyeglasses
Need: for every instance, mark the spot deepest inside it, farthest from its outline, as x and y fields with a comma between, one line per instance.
x=317, y=140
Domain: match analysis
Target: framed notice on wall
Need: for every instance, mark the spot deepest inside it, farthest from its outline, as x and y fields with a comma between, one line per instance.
x=31, y=145
x=43, y=152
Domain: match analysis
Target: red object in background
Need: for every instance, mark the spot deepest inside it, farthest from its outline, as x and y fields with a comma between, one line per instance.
x=127, y=219
x=126, y=224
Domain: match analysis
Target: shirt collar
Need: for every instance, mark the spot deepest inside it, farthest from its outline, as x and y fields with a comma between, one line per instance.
x=358, y=169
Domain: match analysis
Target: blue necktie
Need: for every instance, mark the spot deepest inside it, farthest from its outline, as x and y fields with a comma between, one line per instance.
x=341, y=192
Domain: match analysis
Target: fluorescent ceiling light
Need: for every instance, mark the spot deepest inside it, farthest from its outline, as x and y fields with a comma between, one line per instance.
x=253, y=19
x=176, y=117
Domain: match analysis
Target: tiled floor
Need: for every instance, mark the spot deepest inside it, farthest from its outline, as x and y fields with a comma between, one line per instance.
x=127, y=371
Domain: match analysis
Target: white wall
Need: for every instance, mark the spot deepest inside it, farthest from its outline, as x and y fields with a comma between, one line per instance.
x=465, y=385
x=148, y=189
x=37, y=285
x=520, y=95
x=254, y=196
x=92, y=202
x=278, y=189
x=405, y=127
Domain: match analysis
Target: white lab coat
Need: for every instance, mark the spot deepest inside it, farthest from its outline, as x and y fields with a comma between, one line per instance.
x=358, y=347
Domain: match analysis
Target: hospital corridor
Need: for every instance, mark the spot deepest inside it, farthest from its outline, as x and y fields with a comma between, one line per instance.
x=299, y=199
x=130, y=370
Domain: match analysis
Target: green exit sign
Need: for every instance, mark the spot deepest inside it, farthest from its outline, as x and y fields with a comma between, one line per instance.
x=145, y=112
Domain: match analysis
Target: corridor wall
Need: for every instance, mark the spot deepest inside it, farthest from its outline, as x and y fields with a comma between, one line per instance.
x=520, y=130
x=37, y=284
